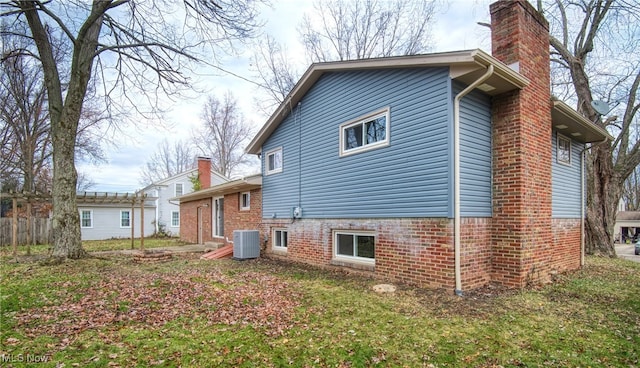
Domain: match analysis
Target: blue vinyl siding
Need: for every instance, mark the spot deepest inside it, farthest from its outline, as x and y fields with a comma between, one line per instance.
x=409, y=178
x=475, y=154
x=566, y=182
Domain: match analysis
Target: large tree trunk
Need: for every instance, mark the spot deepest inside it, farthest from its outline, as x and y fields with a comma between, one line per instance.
x=67, y=241
x=603, y=195
x=65, y=117
x=66, y=219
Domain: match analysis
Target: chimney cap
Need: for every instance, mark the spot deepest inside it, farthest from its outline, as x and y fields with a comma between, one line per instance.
x=204, y=158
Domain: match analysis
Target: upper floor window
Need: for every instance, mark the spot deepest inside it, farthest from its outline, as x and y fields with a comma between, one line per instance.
x=245, y=200
x=364, y=133
x=179, y=189
x=86, y=218
x=274, y=161
x=563, y=150
x=125, y=218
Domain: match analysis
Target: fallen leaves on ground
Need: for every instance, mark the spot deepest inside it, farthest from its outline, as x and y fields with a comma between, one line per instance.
x=151, y=298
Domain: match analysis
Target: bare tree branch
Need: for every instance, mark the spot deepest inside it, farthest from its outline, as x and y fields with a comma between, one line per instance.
x=223, y=134
x=604, y=63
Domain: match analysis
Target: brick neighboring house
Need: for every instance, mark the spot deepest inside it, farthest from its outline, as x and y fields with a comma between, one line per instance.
x=167, y=210
x=212, y=214
x=447, y=170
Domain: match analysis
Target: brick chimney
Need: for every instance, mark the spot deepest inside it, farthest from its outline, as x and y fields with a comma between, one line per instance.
x=521, y=224
x=204, y=172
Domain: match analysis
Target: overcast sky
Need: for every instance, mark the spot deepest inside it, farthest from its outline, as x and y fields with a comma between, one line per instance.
x=455, y=28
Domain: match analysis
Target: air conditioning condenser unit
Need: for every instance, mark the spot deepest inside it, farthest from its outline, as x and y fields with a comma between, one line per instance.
x=246, y=244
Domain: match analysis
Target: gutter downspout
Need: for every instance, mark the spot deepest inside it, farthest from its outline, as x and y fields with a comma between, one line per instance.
x=582, y=205
x=456, y=174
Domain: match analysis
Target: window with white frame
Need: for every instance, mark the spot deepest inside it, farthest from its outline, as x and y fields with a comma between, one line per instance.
x=86, y=218
x=245, y=201
x=280, y=239
x=274, y=161
x=354, y=246
x=178, y=189
x=125, y=218
x=364, y=133
x=563, y=150
x=175, y=218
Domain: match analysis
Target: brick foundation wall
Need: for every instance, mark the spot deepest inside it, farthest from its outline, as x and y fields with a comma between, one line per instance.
x=413, y=251
x=475, y=252
x=189, y=220
x=522, y=231
x=567, y=247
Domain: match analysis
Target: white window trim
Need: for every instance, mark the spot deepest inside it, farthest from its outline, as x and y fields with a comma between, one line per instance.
x=214, y=217
x=248, y=206
x=175, y=189
x=90, y=217
x=266, y=161
x=273, y=236
x=558, y=139
x=352, y=259
x=361, y=120
x=125, y=227
x=171, y=220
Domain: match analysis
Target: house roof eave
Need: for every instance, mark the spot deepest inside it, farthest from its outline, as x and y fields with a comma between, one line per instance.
x=240, y=185
x=569, y=122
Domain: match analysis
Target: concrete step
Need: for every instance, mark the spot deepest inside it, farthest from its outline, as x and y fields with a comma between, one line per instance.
x=210, y=245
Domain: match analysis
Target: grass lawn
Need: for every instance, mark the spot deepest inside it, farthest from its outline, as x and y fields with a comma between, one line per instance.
x=188, y=312
x=41, y=250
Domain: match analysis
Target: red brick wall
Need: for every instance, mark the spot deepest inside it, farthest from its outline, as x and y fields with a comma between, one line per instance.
x=567, y=250
x=475, y=252
x=237, y=219
x=414, y=251
x=521, y=235
x=234, y=218
x=189, y=220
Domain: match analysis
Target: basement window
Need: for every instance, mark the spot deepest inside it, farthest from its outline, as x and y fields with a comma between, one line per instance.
x=280, y=239
x=354, y=246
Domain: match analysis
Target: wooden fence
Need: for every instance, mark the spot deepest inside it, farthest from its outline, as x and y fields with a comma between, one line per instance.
x=40, y=231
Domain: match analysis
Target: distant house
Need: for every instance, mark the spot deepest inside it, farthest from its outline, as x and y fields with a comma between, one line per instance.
x=627, y=227
x=212, y=214
x=167, y=210
x=447, y=170
x=114, y=215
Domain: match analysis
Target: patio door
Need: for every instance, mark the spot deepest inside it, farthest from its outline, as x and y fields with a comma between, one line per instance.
x=218, y=217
